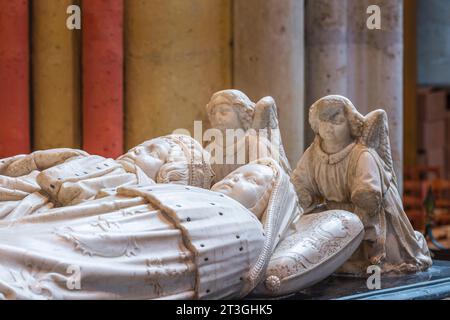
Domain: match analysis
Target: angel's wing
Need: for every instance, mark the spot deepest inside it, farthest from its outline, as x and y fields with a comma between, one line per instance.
x=376, y=136
x=266, y=117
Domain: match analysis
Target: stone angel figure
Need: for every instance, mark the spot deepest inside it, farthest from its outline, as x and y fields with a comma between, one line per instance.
x=248, y=131
x=37, y=182
x=349, y=167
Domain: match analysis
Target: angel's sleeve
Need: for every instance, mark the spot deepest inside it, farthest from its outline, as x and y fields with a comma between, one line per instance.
x=366, y=184
x=304, y=183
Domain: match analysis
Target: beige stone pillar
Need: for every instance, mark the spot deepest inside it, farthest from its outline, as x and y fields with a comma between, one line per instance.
x=269, y=60
x=326, y=69
x=177, y=55
x=410, y=116
x=376, y=57
x=344, y=56
x=56, y=65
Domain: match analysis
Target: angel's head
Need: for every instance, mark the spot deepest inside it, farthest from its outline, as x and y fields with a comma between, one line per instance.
x=230, y=109
x=251, y=185
x=171, y=159
x=334, y=118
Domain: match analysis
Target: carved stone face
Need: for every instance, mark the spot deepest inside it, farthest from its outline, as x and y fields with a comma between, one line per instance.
x=149, y=156
x=334, y=126
x=246, y=184
x=224, y=116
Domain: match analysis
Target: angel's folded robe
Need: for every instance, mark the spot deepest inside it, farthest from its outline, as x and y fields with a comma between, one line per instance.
x=355, y=179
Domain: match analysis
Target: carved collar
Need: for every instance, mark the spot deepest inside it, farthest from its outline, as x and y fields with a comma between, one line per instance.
x=335, y=157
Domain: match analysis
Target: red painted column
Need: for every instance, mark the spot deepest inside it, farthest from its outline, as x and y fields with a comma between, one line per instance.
x=14, y=78
x=102, y=29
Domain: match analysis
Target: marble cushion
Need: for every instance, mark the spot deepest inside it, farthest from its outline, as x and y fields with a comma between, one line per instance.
x=318, y=245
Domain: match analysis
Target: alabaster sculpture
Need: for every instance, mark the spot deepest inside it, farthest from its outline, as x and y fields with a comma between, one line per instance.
x=255, y=127
x=147, y=240
x=39, y=181
x=145, y=225
x=154, y=241
x=349, y=167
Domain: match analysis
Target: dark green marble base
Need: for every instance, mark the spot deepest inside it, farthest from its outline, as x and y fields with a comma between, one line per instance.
x=432, y=284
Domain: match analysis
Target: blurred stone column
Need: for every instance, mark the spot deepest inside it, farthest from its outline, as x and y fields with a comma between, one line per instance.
x=326, y=69
x=177, y=54
x=269, y=60
x=376, y=57
x=55, y=76
x=343, y=56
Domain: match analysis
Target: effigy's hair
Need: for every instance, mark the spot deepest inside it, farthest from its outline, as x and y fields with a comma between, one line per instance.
x=239, y=101
x=325, y=107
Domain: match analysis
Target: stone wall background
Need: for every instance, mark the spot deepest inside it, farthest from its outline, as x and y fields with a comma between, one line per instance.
x=433, y=31
x=176, y=53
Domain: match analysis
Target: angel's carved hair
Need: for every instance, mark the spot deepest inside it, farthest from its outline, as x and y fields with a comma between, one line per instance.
x=320, y=111
x=238, y=100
